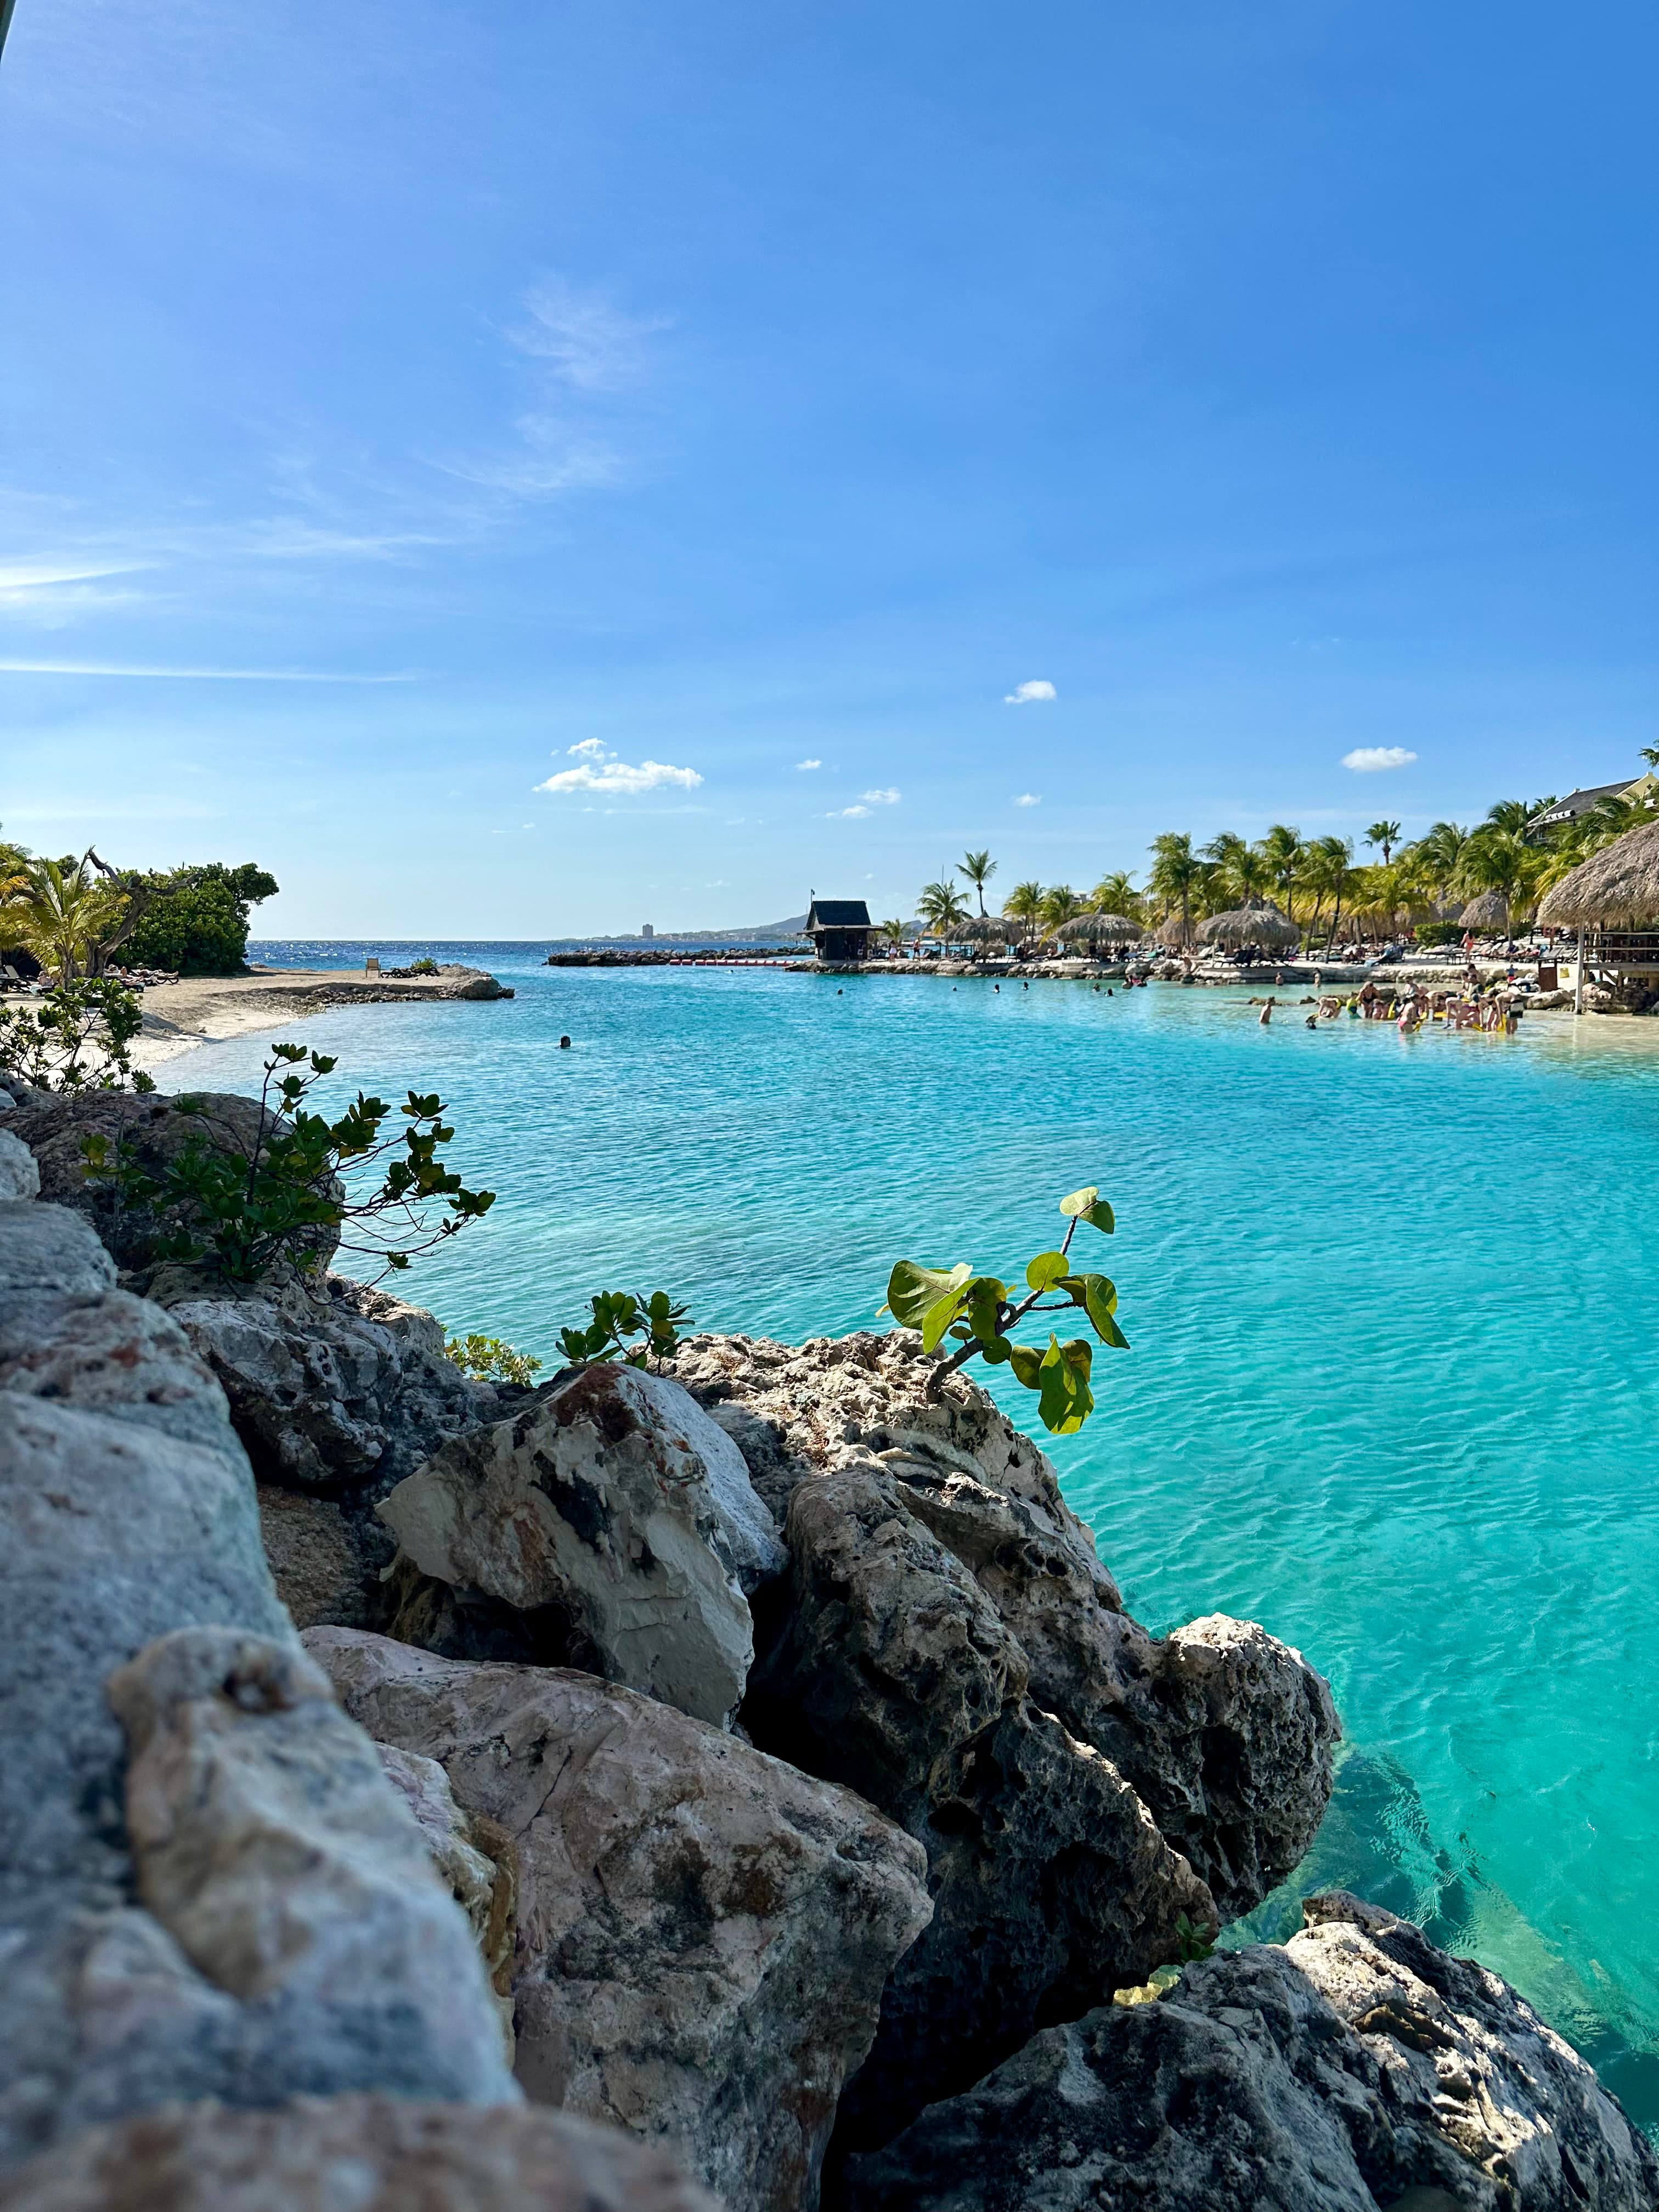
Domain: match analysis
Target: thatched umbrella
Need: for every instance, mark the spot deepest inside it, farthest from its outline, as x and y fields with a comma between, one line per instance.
x=1617, y=888
x=1491, y=910
x=984, y=929
x=1175, y=934
x=1260, y=925
x=1103, y=929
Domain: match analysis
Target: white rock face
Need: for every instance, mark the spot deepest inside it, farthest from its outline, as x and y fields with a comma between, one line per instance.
x=355, y=2154
x=703, y=1933
x=596, y=1503
x=48, y=1248
x=757, y=1551
x=20, y=1178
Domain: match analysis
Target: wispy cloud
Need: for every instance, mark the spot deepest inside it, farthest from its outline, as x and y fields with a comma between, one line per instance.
x=881, y=797
x=597, y=770
x=803, y=767
x=587, y=343
x=1368, y=760
x=195, y=675
x=1029, y=799
x=1029, y=694
x=847, y=814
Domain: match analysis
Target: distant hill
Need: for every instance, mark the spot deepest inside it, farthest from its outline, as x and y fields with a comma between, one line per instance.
x=769, y=933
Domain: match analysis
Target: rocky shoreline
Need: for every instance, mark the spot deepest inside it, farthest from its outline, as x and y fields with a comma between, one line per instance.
x=738, y=1786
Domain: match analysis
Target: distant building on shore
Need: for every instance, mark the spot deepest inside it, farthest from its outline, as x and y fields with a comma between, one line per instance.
x=1644, y=791
x=646, y=929
x=840, y=929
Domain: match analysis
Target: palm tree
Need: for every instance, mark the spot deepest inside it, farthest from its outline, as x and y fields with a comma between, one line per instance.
x=893, y=932
x=1440, y=854
x=1025, y=905
x=1385, y=834
x=63, y=913
x=1496, y=859
x=1176, y=875
x=1117, y=894
x=1327, y=870
x=979, y=868
x=1513, y=815
x=1061, y=904
x=1281, y=849
x=943, y=908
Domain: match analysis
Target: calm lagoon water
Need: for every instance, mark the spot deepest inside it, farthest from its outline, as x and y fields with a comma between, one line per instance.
x=1393, y=1385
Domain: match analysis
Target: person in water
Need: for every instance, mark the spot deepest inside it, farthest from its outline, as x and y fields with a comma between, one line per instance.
x=1267, y=1013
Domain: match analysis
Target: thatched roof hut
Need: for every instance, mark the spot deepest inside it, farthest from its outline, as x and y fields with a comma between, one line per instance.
x=1175, y=932
x=1489, y=911
x=984, y=929
x=1258, y=923
x=1103, y=929
x=1617, y=888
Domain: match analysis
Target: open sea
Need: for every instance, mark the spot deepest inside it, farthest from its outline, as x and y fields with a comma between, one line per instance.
x=1394, y=1389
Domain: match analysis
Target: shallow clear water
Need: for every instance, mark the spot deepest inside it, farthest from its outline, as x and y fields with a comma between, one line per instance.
x=1392, y=1389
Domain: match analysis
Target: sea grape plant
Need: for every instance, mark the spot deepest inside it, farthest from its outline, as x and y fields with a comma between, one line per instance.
x=976, y=1313
x=245, y=1206
x=489, y=1359
x=78, y=1038
x=628, y=1327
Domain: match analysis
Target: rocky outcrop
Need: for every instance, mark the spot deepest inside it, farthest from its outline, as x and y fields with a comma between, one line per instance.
x=352, y=2154
x=704, y=1932
x=1345, y=2072
x=616, y=1513
x=20, y=1178
x=326, y=1564
x=1050, y=1882
x=127, y=1514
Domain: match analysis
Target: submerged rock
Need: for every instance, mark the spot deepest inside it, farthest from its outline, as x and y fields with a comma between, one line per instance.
x=702, y=1932
x=612, y=1510
x=354, y=2154
x=1346, y=2071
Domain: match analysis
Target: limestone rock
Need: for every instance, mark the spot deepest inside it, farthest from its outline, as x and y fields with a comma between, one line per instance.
x=153, y=1130
x=110, y=1353
x=703, y=1933
x=752, y=1536
x=1051, y=1885
x=20, y=1178
x=49, y=1248
x=352, y=2154
x=326, y=1564
x=334, y=1386
x=594, y=1509
x=1226, y=1733
x=1245, y=2087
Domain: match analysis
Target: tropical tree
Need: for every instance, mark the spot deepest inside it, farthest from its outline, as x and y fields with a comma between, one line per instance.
x=1439, y=855
x=1327, y=871
x=978, y=868
x=1061, y=904
x=942, y=908
x=1496, y=859
x=64, y=912
x=1025, y=906
x=1385, y=834
x=1281, y=849
x=1117, y=894
x=893, y=932
x=1176, y=876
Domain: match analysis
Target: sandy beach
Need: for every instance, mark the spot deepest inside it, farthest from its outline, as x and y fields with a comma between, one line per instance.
x=206, y=1009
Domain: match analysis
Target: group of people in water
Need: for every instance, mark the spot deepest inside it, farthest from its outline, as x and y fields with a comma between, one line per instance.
x=1412, y=1009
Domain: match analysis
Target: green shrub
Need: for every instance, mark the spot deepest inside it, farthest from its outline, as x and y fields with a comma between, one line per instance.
x=628, y=1327
x=976, y=1313
x=1439, y=933
x=487, y=1359
x=195, y=921
x=424, y=966
x=76, y=1039
x=247, y=1210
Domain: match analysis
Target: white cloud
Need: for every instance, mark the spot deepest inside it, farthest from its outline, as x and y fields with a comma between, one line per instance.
x=1029, y=799
x=802, y=767
x=586, y=342
x=881, y=797
x=592, y=749
x=1366, y=760
x=618, y=776
x=847, y=814
x=1027, y=695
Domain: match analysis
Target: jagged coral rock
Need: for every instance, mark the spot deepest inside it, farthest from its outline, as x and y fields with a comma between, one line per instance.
x=704, y=1932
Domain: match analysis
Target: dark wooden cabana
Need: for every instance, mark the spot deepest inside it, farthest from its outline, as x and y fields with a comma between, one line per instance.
x=840, y=929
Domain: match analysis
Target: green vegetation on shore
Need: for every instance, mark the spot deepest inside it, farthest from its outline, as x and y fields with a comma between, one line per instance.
x=78, y=917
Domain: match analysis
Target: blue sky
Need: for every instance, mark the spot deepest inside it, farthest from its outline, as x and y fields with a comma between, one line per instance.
x=425, y=404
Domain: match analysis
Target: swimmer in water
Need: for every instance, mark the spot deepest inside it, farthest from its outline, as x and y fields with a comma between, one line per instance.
x=1267, y=1013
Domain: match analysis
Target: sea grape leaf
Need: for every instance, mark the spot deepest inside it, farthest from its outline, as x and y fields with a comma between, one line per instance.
x=1047, y=1269
x=1087, y=1204
x=1026, y=1361
x=912, y=1290
x=1065, y=1400
x=1098, y=1296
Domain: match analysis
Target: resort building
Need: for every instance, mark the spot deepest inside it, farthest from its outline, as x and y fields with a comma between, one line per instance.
x=840, y=929
x=1644, y=792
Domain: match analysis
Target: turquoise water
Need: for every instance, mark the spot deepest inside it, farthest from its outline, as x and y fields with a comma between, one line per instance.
x=1392, y=1389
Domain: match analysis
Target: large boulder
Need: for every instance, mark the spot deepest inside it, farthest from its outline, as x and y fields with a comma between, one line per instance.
x=127, y=1512
x=20, y=1178
x=610, y=1511
x=334, y=1387
x=1051, y=1884
x=702, y=1932
x=352, y=2154
x=1225, y=1732
x=1357, y=2067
